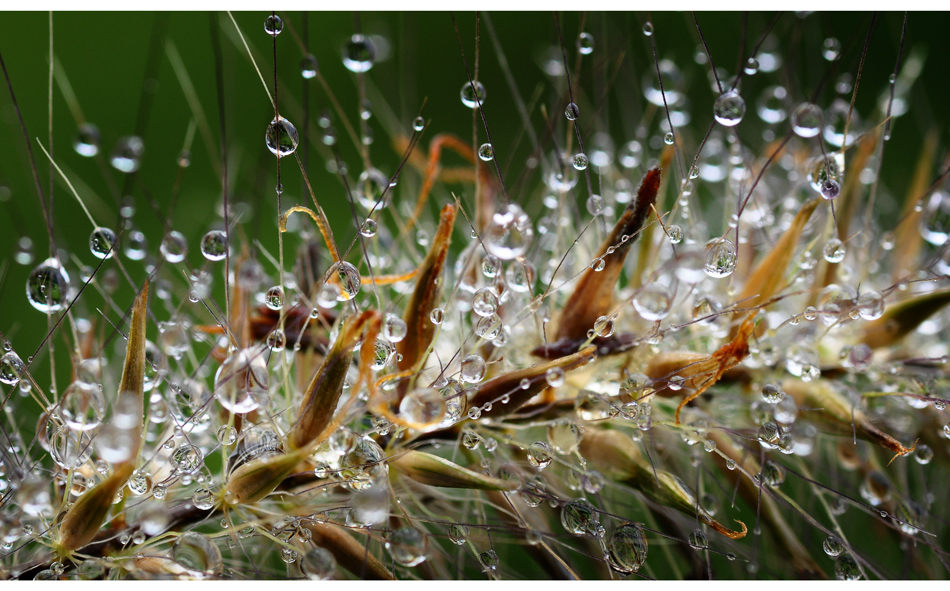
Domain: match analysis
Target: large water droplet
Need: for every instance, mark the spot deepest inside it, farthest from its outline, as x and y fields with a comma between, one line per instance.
x=127, y=154
x=719, y=258
x=214, y=245
x=472, y=97
x=359, y=54
x=729, y=108
x=47, y=288
x=101, y=241
x=281, y=137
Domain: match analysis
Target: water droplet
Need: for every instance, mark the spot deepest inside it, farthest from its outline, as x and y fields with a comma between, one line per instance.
x=935, y=220
x=274, y=298
x=579, y=517
x=834, y=251
x=214, y=245
x=226, y=435
x=368, y=229
x=830, y=49
x=308, y=66
x=580, y=161
x=87, y=140
x=281, y=137
x=585, y=43
x=648, y=29
x=832, y=546
x=359, y=54
x=48, y=286
x=729, y=108
x=418, y=123
x=675, y=233
x=668, y=139
x=720, y=258
x=539, y=455
x=627, y=548
x=273, y=25
x=436, y=316
x=127, y=154
x=486, y=152
x=697, y=540
x=751, y=66
x=846, y=568
x=772, y=394
x=923, y=454
x=241, y=382
x=806, y=120
x=82, y=406
x=653, y=302
x=598, y=264
x=458, y=534
x=348, y=278
x=571, y=112
x=554, y=377
x=473, y=369
x=488, y=560
x=564, y=436
x=472, y=97
x=203, y=499
x=485, y=302
x=509, y=233
x=407, y=546
x=11, y=368
x=318, y=564
x=198, y=553
x=422, y=409
x=174, y=247
x=871, y=305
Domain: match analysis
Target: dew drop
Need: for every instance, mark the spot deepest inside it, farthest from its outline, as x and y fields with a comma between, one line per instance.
x=472, y=97
x=273, y=25
x=214, y=245
x=729, y=108
x=281, y=137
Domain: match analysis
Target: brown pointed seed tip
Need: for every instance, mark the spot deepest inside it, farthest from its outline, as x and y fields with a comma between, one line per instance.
x=435, y=471
x=834, y=410
x=326, y=387
x=84, y=518
x=427, y=295
x=594, y=295
x=769, y=275
x=510, y=384
x=614, y=455
x=256, y=479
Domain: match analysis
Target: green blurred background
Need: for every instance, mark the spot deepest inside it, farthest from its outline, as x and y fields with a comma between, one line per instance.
x=104, y=56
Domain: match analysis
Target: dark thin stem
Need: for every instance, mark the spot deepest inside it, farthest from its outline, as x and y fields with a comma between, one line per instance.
x=219, y=84
x=708, y=55
x=479, y=106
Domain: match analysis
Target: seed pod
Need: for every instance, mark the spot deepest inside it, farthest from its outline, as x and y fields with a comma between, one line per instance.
x=256, y=479
x=618, y=458
x=435, y=471
x=512, y=383
x=349, y=553
x=83, y=520
x=902, y=318
x=427, y=295
x=769, y=275
x=326, y=387
x=594, y=295
x=838, y=413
